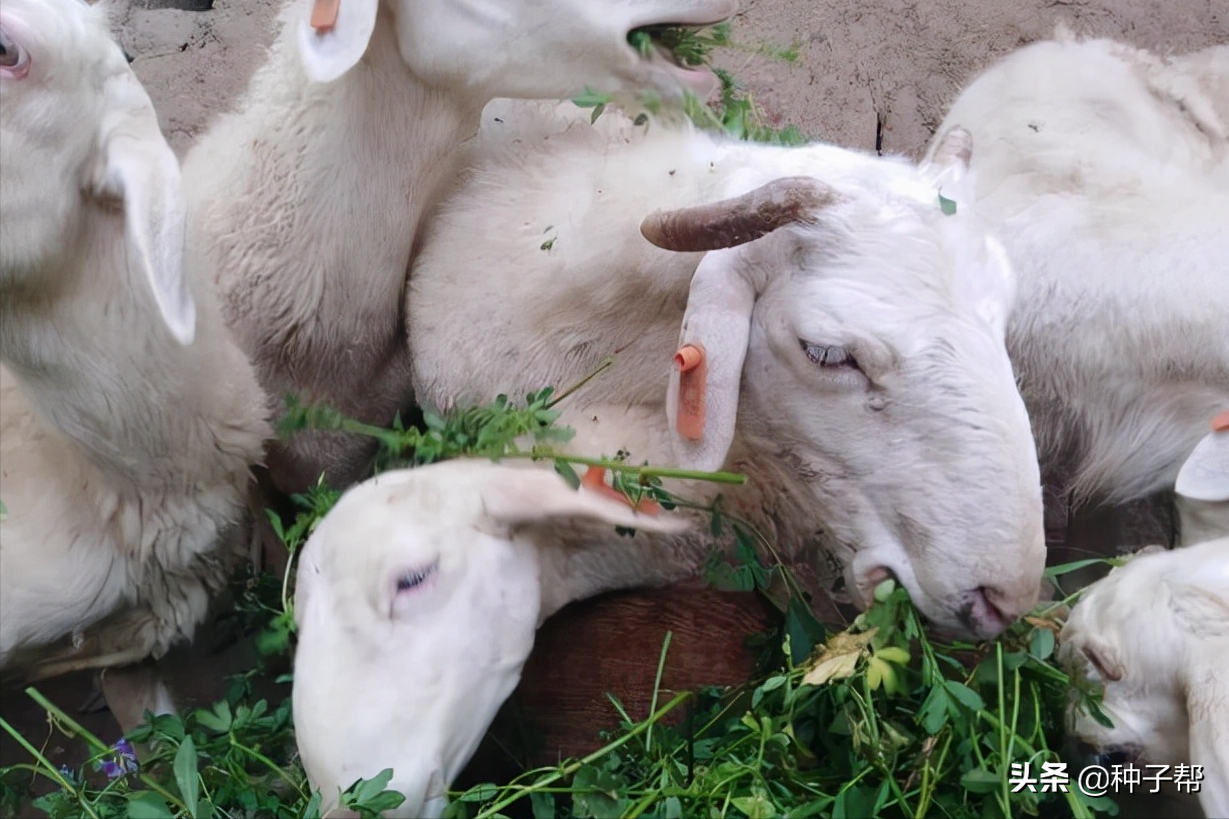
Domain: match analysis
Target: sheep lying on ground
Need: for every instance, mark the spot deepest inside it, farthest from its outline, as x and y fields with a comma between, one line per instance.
x=308, y=200
x=1155, y=632
x=1105, y=172
x=1202, y=488
x=854, y=360
x=417, y=599
x=128, y=418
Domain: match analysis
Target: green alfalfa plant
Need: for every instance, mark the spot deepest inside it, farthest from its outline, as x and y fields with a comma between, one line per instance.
x=876, y=720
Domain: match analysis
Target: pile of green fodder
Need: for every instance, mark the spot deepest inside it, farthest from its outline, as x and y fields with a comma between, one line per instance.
x=874, y=720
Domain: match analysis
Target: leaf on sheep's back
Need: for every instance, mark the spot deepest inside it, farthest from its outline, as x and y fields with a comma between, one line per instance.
x=838, y=657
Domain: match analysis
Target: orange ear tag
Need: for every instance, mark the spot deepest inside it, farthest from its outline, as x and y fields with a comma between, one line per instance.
x=595, y=479
x=324, y=15
x=693, y=371
x=1221, y=422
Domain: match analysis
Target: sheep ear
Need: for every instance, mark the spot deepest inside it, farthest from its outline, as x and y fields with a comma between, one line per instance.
x=988, y=278
x=1204, y=475
x=946, y=166
x=990, y=282
x=516, y=497
x=1106, y=659
x=702, y=395
x=335, y=37
x=140, y=169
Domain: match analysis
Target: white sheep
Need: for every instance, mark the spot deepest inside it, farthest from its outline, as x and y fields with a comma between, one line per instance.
x=856, y=370
x=416, y=601
x=1104, y=170
x=309, y=198
x=128, y=418
x=1155, y=633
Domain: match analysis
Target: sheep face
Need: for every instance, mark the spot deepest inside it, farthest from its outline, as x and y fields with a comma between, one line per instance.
x=79, y=136
x=872, y=326
x=903, y=418
x=527, y=48
x=417, y=600
x=1154, y=633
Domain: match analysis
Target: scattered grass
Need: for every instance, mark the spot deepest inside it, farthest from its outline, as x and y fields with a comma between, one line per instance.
x=735, y=112
x=877, y=719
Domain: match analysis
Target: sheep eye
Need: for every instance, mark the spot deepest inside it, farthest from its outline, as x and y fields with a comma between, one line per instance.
x=414, y=578
x=13, y=58
x=829, y=355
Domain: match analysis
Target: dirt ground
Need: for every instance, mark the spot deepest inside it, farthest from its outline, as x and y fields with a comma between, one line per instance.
x=867, y=73
x=871, y=74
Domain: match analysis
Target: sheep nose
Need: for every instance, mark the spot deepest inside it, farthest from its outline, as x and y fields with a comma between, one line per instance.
x=1116, y=755
x=991, y=609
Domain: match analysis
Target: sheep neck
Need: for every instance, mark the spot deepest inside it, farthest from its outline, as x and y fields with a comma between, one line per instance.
x=112, y=379
x=773, y=504
x=318, y=307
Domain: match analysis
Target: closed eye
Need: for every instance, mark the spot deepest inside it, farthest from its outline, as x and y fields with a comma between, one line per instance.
x=415, y=577
x=829, y=356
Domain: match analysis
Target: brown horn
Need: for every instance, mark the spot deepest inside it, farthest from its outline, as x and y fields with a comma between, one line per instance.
x=736, y=221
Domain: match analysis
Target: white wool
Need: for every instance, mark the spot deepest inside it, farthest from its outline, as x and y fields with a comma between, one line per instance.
x=309, y=198
x=1104, y=170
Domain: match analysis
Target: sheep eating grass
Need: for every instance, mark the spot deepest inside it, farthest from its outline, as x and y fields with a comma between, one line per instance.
x=430, y=583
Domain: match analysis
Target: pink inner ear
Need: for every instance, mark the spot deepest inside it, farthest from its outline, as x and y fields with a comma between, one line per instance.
x=324, y=15
x=693, y=372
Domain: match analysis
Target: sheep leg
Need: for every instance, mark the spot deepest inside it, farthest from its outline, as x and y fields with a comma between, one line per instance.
x=266, y=551
x=132, y=690
x=122, y=640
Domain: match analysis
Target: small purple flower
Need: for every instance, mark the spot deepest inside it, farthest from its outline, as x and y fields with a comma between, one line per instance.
x=111, y=769
x=124, y=762
x=127, y=755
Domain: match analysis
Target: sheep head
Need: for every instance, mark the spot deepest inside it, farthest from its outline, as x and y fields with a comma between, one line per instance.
x=550, y=49
x=856, y=330
x=1154, y=633
x=79, y=136
x=424, y=586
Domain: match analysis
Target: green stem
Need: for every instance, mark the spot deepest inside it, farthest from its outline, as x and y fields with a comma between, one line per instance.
x=661, y=665
x=79, y=731
x=606, y=364
x=269, y=763
x=51, y=771
x=572, y=767
x=643, y=472
x=1004, y=794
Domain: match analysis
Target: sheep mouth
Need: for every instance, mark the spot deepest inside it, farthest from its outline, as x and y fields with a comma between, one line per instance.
x=682, y=48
